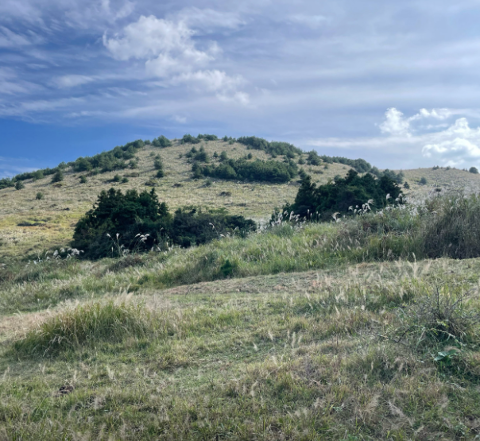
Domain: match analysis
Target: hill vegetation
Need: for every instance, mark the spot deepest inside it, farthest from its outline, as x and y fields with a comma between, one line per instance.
x=186, y=322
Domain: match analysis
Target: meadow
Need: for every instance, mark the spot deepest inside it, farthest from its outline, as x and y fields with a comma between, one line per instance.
x=363, y=328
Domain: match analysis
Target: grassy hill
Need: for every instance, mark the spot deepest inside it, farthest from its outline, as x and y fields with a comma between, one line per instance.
x=345, y=330
x=29, y=225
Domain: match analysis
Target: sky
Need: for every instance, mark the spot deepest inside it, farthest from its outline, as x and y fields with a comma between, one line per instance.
x=395, y=83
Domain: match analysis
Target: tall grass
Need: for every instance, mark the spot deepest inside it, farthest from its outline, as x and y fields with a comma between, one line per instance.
x=84, y=325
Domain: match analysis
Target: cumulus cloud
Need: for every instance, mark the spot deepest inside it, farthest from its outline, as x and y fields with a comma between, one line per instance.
x=171, y=54
x=454, y=143
x=395, y=123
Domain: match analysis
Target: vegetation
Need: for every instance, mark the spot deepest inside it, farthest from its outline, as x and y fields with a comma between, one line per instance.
x=273, y=148
x=473, y=170
x=121, y=223
x=162, y=142
x=386, y=349
x=344, y=196
x=243, y=170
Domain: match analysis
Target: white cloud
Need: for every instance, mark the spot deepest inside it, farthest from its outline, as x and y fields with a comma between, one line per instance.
x=455, y=144
x=208, y=20
x=68, y=81
x=10, y=39
x=395, y=123
x=171, y=54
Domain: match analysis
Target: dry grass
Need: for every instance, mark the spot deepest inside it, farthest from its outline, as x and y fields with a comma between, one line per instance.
x=293, y=356
x=62, y=206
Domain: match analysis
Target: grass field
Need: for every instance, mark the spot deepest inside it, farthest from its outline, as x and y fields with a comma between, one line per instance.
x=341, y=331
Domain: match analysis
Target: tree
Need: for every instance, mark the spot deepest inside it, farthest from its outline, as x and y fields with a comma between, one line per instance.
x=473, y=170
x=343, y=195
x=58, y=176
x=423, y=181
x=19, y=185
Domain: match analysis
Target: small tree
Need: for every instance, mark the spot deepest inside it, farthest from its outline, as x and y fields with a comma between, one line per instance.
x=39, y=196
x=223, y=156
x=19, y=185
x=473, y=170
x=58, y=176
x=83, y=180
x=423, y=180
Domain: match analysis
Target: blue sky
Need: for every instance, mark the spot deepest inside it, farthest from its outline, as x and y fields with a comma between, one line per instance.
x=395, y=83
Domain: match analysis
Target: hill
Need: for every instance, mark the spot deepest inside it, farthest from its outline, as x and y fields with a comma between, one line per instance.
x=359, y=328
x=29, y=225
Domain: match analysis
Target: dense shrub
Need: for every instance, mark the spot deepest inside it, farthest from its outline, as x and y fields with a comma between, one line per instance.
x=189, y=139
x=162, y=142
x=39, y=196
x=274, y=147
x=83, y=180
x=473, y=170
x=208, y=137
x=58, y=176
x=119, y=223
x=243, y=170
x=109, y=161
x=342, y=196
x=19, y=185
x=158, y=164
x=397, y=177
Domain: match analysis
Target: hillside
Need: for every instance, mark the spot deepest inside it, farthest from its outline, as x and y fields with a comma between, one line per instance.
x=363, y=328
x=29, y=225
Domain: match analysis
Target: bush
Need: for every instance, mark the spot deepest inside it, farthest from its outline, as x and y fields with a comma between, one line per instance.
x=243, y=170
x=158, y=164
x=58, y=176
x=189, y=139
x=162, y=142
x=223, y=156
x=341, y=196
x=273, y=148
x=120, y=223
x=473, y=170
x=116, y=178
x=423, y=181
x=124, y=180
x=39, y=196
x=19, y=185
x=84, y=325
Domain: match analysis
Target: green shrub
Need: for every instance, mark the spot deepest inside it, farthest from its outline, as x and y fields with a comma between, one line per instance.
x=273, y=148
x=116, y=178
x=58, y=176
x=83, y=180
x=124, y=180
x=39, y=196
x=341, y=196
x=162, y=142
x=19, y=185
x=243, y=170
x=84, y=325
x=189, y=139
x=473, y=170
x=423, y=181
x=223, y=156
x=120, y=223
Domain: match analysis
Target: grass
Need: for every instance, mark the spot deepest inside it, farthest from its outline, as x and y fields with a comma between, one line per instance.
x=301, y=357
x=363, y=329
x=62, y=206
